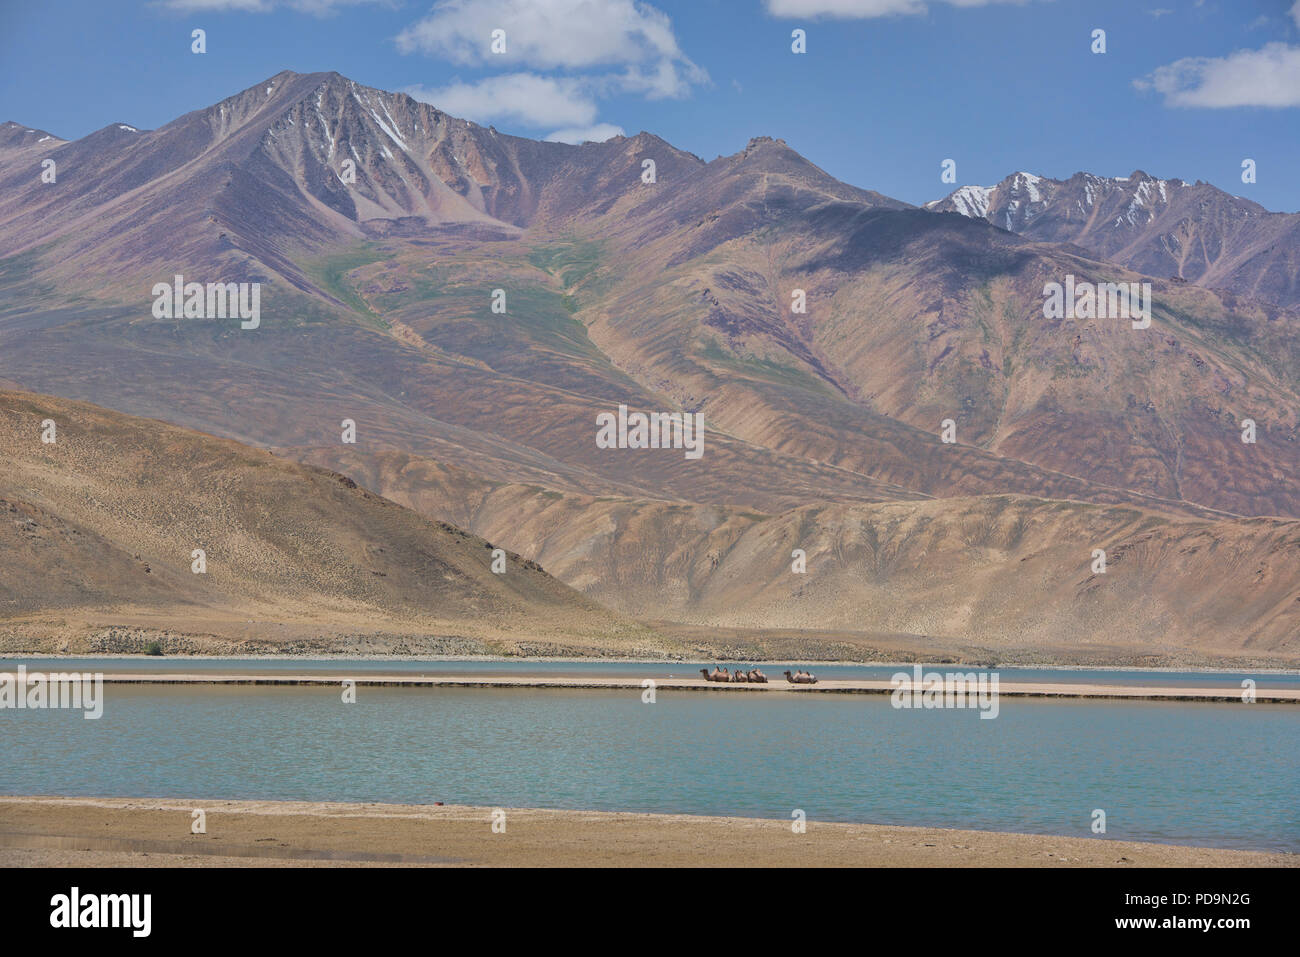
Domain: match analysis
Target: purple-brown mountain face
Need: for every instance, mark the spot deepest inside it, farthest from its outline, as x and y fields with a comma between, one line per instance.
x=1161, y=227
x=262, y=178
x=472, y=302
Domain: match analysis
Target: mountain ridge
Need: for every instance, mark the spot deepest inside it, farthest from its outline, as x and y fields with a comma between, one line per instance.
x=1194, y=232
x=478, y=299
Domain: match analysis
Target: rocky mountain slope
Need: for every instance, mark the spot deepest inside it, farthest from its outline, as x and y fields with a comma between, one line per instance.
x=1010, y=577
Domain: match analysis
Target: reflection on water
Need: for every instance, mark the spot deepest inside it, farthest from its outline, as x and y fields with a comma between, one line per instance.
x=1224, y=775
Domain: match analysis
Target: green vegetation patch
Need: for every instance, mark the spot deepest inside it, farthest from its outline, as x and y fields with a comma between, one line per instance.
x=573, y=263
x=768, y=370
x=330, y=273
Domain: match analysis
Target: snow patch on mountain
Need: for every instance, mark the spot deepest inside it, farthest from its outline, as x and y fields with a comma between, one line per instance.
x=392, y=135
x=396, y=137
x=1030, y=183
x=973, y=201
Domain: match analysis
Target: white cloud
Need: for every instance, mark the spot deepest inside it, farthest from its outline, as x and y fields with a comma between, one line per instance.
x=561, y=34
x=567, y=55
x=524, y=98
x=864, y=9
x=861, y=9
x=218, y=6
x=1266, y=77
x=317, y=7
x=594, y=134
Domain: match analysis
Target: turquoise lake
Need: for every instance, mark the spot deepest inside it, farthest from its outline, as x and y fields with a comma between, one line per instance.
x=1210, y=774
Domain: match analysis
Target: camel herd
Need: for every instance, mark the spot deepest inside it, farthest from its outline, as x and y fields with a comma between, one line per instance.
x=755, y=676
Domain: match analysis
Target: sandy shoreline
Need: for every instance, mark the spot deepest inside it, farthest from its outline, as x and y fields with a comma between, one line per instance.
x=775, y=685
x=64, y=832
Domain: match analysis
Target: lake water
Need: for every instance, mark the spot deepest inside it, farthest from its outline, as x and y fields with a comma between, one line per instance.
x=1210, y=774
x=638, y=669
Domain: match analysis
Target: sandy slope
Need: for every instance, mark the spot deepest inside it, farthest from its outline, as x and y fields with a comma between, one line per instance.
x=101, y=528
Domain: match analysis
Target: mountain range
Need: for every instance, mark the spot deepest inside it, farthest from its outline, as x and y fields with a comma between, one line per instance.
x=1190, y=232
x=472, y=301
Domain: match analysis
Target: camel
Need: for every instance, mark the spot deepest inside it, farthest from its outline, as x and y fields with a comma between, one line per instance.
x=800, y=677
x=715, y=676
x=740, y=676
x=757, y=677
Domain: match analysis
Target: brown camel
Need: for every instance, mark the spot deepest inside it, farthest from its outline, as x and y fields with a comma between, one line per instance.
x=740, y=676
x=757, y=677
x=716, y=675
x=800, y=678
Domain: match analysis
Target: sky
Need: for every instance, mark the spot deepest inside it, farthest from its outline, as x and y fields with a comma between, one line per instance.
x=886, y=91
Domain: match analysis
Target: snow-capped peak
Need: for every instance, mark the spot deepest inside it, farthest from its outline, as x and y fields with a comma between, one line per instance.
x=1030, y=183
x=973, y=201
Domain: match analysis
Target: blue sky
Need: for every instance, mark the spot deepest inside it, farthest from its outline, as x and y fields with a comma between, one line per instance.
x=887, y=90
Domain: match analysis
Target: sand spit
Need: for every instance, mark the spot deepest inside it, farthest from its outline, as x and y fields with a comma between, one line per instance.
x=1008, y=689
x=58, y=832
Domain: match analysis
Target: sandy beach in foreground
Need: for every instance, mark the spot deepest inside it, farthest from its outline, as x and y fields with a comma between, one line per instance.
x=109, y=832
